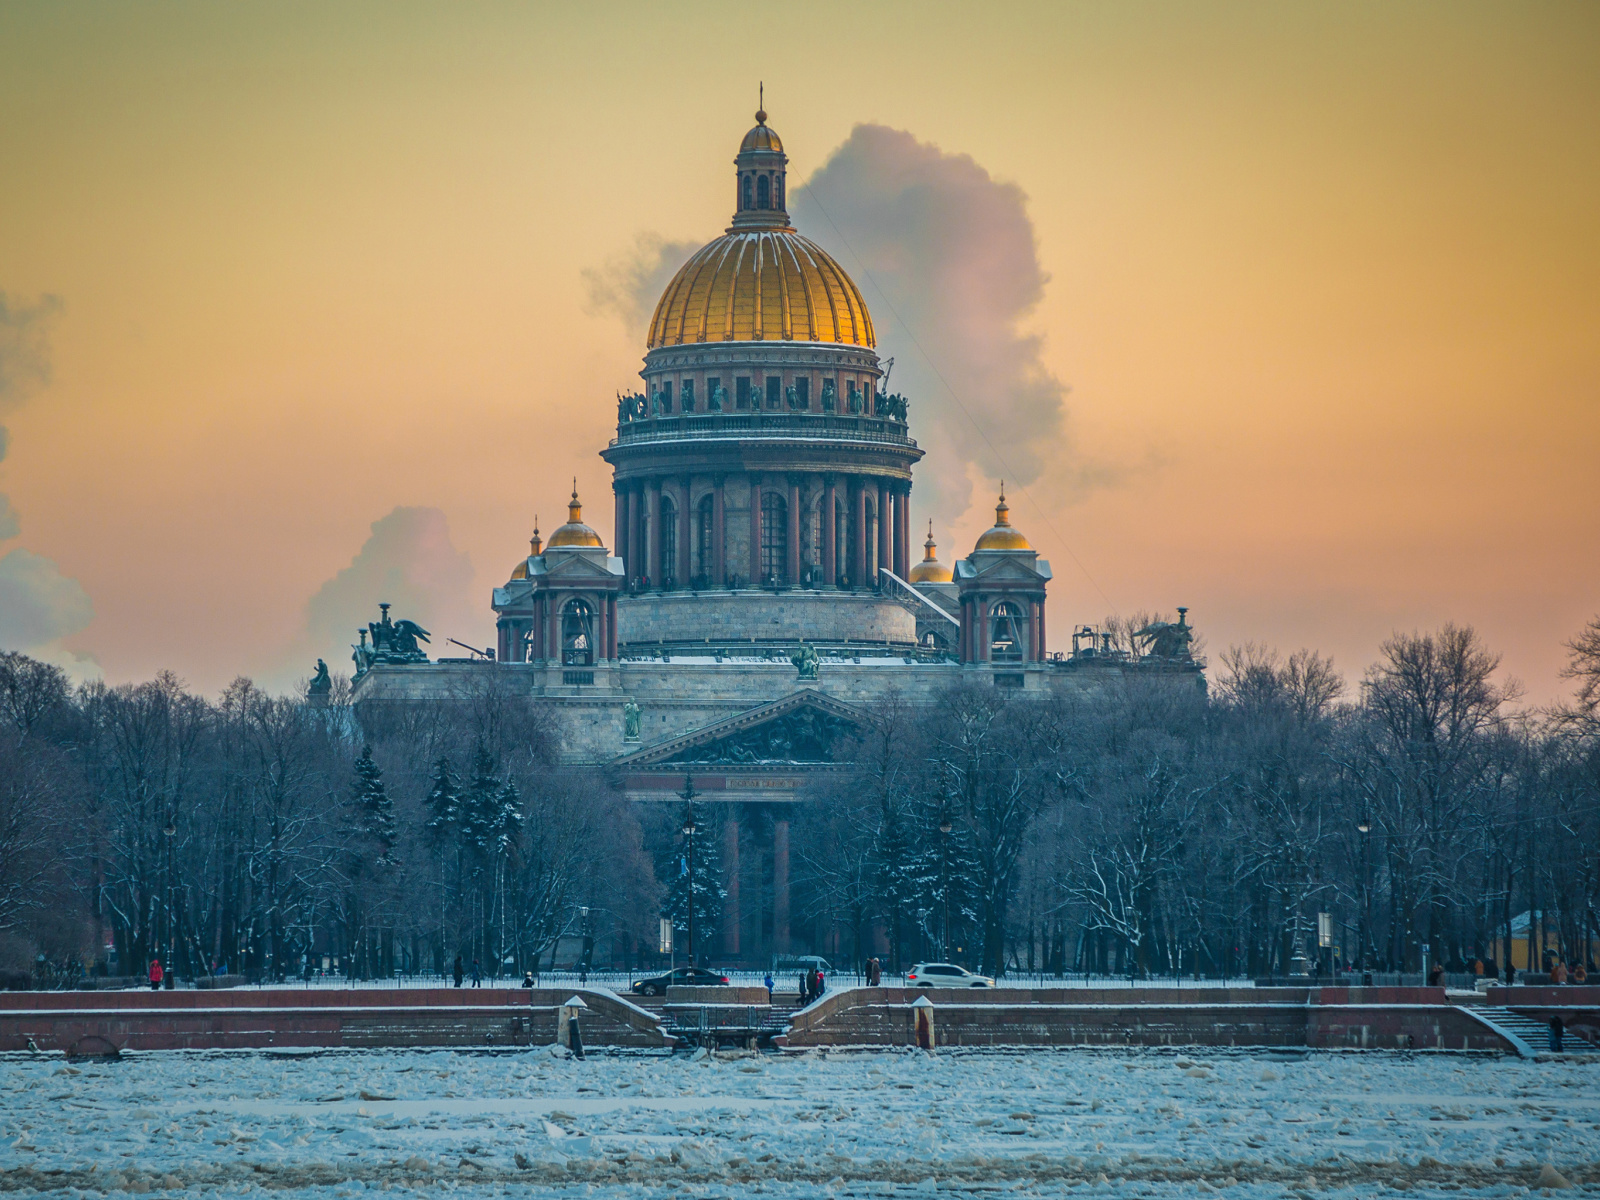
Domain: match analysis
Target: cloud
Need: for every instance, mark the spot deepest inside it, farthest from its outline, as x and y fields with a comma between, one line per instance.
x=24, y=347
x=409, y=561
x=629, y=285
x=38, y=604
x=947, y=259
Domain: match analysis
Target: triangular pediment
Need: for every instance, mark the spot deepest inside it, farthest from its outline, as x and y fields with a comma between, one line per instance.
x=1009, y=569
x=803, y=727
x=570, y=567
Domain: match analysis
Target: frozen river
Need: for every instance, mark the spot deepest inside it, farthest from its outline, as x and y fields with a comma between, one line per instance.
x=1123, y=1123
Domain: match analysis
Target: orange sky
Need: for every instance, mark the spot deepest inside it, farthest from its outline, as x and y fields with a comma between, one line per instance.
x=1325, y=284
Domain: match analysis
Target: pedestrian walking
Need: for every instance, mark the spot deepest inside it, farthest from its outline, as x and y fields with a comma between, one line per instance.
x=805, y=989
x=767, y=981
x=156, y=974
x=1557, y=1029
x=477, y=974
x=1559, y=973
x=527, y=980
x=459, y=971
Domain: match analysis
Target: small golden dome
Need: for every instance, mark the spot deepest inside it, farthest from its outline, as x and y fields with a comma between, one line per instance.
x=761, y=138
x=574, y=532
x=930, y=569
x=767, y=285
x=1003, y=536
x=520, y=571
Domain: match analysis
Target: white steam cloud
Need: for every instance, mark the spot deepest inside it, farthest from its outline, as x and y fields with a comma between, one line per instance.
x=408, y=561
x=629, y=285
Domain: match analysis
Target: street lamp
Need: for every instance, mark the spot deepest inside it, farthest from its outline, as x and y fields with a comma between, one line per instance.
x=689, y=831
x=1364, y=827
x=944, y=878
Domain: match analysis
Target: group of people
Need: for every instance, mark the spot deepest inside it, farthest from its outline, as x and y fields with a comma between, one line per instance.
x=460, y=972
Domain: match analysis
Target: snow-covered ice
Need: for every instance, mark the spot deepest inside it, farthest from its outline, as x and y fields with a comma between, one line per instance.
x=1080, y=1121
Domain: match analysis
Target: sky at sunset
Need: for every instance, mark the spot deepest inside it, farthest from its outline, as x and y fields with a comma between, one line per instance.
x=1287, y=313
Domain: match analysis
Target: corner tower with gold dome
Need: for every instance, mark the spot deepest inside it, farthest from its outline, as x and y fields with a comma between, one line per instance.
x=762, y=458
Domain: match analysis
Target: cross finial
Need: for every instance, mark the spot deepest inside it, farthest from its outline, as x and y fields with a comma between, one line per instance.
x=761, y=103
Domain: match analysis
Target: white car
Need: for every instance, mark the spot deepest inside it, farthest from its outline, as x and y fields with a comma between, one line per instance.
x=944, y=975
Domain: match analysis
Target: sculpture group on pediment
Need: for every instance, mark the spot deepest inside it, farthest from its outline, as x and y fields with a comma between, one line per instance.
x=630, y=407
x=802, y=735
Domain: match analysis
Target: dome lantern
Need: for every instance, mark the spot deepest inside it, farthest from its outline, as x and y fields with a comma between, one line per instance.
x=759, y=189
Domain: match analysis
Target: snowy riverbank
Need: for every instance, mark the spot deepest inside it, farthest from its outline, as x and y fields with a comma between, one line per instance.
x=1158, y=1123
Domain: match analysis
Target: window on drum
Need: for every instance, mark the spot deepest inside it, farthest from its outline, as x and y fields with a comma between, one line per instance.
x=774, y=538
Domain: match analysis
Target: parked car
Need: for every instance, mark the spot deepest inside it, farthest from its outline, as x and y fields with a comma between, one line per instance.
x=678, y=977
x=944, y=975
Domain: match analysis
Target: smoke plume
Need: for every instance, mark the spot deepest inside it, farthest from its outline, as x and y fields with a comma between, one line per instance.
x=629, y=285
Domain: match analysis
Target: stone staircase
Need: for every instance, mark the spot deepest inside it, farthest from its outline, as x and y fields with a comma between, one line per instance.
x=1526, y=1035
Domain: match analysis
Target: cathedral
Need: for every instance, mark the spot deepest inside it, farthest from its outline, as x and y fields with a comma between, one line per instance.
x=761, y=587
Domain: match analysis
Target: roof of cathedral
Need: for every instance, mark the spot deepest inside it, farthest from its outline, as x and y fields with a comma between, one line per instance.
x=1003, y=535
x=930, y=569
x=761, y=281
x=574, y=533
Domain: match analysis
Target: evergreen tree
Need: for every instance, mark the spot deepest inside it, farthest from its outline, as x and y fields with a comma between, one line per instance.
x=444, y=804
x=898, y=885
x=374, y=809
x=703, y=885
x=947, y=879
x=479, y=803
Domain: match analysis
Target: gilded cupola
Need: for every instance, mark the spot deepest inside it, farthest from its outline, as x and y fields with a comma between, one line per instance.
x=1002, y=535
x=574, y=534
x=930, y=569
x=761, y=281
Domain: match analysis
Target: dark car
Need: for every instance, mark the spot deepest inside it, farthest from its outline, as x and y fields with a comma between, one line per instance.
x=680, y=977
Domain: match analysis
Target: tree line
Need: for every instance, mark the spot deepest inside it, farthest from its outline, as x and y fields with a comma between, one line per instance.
x=1149, y=823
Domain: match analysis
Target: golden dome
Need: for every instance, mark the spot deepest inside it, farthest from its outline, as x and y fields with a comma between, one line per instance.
x=768, y=285
x=761, y=138
x=520, y=571
x=1003, y=536
x=574, y=532
x=930, y=569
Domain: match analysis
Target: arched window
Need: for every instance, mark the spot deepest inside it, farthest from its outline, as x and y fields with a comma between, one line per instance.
x=706, y=530
x=577, y=634
x=669, y=542
x=777, y=188
x=763, y=192
x=774, y=538
x=1008, y=633
x=748, y=201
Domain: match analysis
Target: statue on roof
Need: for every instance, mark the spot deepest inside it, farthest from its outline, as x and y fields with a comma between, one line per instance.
x=321, y=686
x=805, y=661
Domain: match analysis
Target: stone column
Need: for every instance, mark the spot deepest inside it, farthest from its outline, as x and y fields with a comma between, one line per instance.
x=830, y=531
x=902, y=531
x=611, y=607
x=780, y=886
x=1033, y=631
x=755, y=530
x=653, y=534
x=554, y=625
x=885, y=525
x=602, y=635
x=981, y=629
x=1043, y=645
x=858, y=548
x=793, y=564
x=719, y=544
x=635, y=560
x=619, y=539
x=730, y=868
x=686, y=520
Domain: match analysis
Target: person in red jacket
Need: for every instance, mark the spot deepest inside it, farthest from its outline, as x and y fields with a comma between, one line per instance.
x=155, y=974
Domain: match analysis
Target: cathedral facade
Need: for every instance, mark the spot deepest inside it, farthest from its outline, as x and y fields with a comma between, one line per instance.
x=760, y=587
